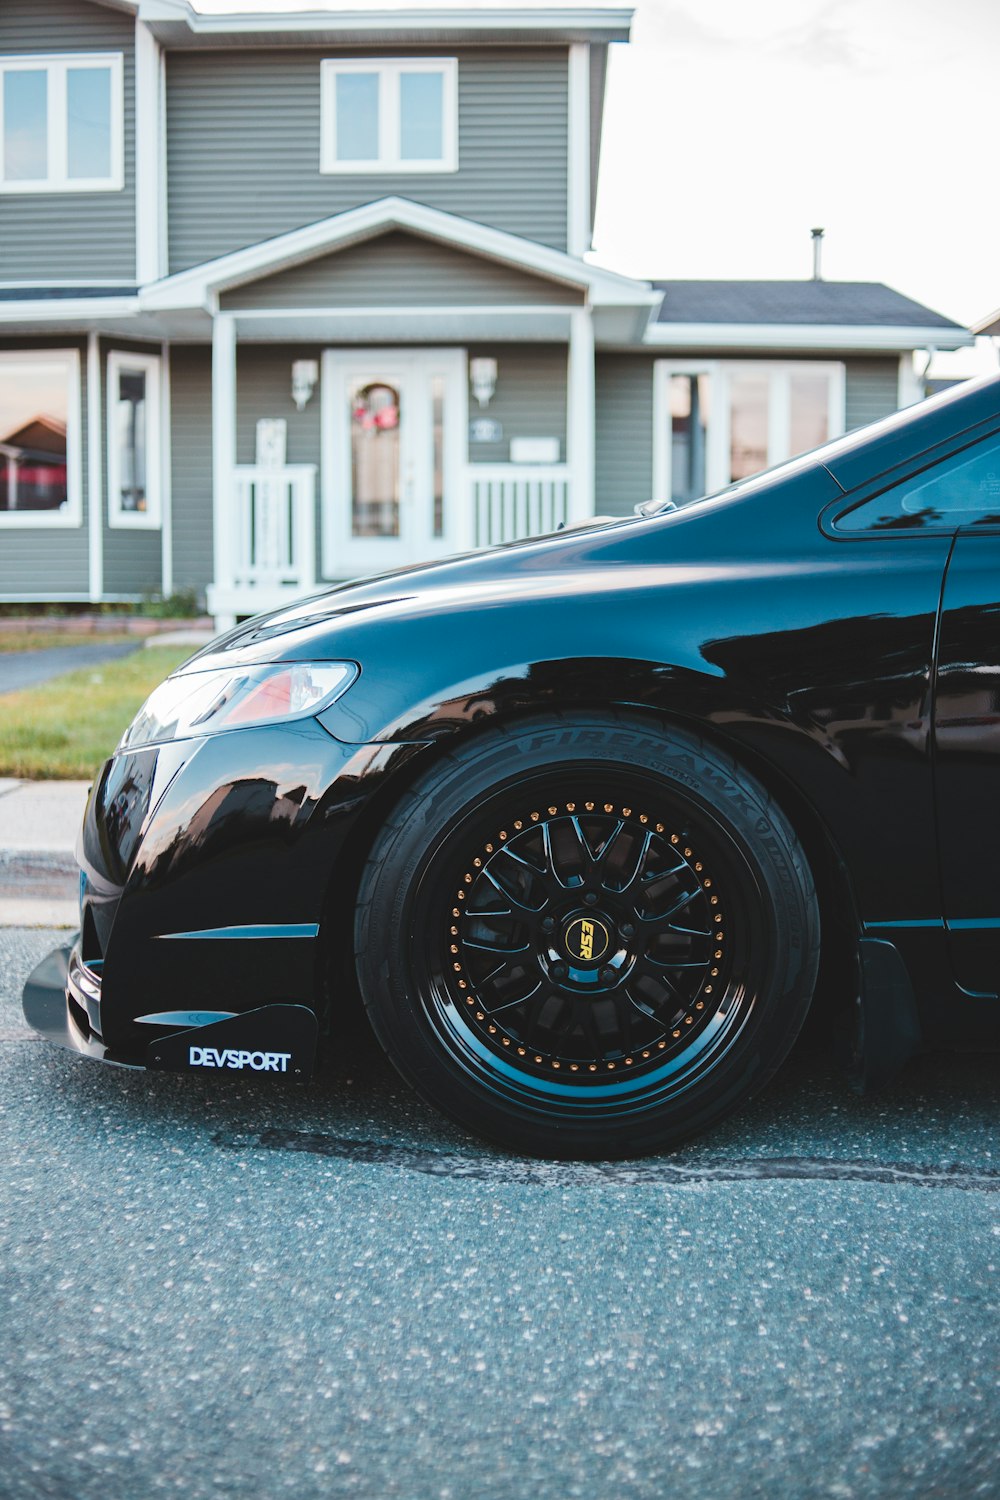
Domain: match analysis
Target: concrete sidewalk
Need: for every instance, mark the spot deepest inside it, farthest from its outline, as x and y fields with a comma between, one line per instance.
x=39, y=821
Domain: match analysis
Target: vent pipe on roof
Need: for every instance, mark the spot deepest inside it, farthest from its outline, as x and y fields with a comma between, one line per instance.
x=817, y=235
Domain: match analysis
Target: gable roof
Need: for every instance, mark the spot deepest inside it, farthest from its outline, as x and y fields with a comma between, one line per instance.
x=798, y=314
x=200, y=287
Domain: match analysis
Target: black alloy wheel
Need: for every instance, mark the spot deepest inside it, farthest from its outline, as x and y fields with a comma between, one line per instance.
x=587, y=937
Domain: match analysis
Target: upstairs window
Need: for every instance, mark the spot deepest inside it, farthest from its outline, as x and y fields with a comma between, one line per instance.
x=399, y=115
x=61, y=123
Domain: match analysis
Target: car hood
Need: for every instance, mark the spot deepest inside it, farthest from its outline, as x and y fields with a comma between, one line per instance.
x=538, y=565
x=747, y=534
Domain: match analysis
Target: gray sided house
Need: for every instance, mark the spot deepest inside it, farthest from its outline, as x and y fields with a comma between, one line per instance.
x=285, y=299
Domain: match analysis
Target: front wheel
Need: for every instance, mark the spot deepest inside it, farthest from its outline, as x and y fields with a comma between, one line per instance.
x=587, y=937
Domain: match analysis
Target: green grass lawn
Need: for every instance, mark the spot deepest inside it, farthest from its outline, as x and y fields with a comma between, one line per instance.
x=65, y=728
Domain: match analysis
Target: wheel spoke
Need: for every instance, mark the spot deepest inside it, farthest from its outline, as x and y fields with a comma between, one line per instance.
x=478, y=946
x=683, y=900
x=509, y=894
x=634, y=877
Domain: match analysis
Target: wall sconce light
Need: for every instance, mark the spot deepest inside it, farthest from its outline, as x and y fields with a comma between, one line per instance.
x=305, y=373
x=483, y=375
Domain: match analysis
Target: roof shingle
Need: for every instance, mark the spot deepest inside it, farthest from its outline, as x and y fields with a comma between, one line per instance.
x=840, y=303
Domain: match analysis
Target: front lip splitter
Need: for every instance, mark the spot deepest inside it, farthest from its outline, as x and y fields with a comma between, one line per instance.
x=276, y=1041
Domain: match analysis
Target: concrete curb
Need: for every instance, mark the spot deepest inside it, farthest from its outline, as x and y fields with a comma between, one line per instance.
x=38, y=913
x=39, y=879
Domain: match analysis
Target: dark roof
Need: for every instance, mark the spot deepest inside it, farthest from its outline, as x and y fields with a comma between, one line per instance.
x=841, y=303
x=62, y=293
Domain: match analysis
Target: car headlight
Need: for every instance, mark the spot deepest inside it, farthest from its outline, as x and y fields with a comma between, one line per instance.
x=197, y=703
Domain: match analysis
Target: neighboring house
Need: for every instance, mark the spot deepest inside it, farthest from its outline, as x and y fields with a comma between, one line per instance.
x=289, y=298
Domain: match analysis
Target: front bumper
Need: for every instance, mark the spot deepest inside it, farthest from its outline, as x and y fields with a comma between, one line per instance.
x=62, y=995
x=217, y=875
x=59, y=999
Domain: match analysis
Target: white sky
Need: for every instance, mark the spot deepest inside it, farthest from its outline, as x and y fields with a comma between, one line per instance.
x=734, y=126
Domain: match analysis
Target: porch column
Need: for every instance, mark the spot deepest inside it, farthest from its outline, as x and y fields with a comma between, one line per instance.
x=580, y=418
x=223, y=460
x=95, y=470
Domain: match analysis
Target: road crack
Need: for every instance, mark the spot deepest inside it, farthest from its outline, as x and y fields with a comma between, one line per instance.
x=516, y=1171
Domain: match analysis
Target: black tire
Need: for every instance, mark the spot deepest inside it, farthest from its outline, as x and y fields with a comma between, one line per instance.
x=585, y=936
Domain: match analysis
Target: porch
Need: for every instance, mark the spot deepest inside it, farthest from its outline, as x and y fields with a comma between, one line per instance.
x=269, y=554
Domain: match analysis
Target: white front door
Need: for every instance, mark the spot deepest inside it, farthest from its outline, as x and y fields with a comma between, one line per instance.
x=393, y=453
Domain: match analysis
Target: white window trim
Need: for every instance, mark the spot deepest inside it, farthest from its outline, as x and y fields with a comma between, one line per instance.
x=73, y=514
x=389, y=71
x=149, y=519
x=56, y=64
x=722, y=372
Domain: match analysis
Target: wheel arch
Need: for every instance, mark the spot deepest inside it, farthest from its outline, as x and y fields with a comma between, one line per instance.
x=839, y=973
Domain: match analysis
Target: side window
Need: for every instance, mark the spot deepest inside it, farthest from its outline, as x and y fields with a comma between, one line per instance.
x=133, y=440
x=963, y=490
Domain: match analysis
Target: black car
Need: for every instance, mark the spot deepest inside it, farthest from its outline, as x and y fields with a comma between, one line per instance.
x=584, y=819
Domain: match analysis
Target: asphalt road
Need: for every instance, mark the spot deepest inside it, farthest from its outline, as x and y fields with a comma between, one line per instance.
x=21, y=669
x=327, y=1291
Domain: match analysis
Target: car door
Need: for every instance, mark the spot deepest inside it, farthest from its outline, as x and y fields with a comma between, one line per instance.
x=967, y=722
x=954, y=501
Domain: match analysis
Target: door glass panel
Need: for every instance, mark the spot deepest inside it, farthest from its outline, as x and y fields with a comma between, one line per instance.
x=130, y=431
x=437, y=424
x=689, y=413
x=88, y=116
x=375, y=467
x=25, y=126
x=748, y=421
x=421, y=102
x=357, y=117
x=809, y=414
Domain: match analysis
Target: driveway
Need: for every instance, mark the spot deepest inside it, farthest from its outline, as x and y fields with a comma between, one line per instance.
x=21, y=669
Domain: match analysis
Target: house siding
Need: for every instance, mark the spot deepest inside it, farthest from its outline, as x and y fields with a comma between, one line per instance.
x=243, y=144
x=50, y=560
x=73, y=237
x=133, y=559
x=871, y=390
x=530, y=399
x=623, y=475
x=191, y=473
x=399, y=270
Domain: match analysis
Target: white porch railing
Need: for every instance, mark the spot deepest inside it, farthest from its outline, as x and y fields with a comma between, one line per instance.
x=511, y=501
x=273, y=543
